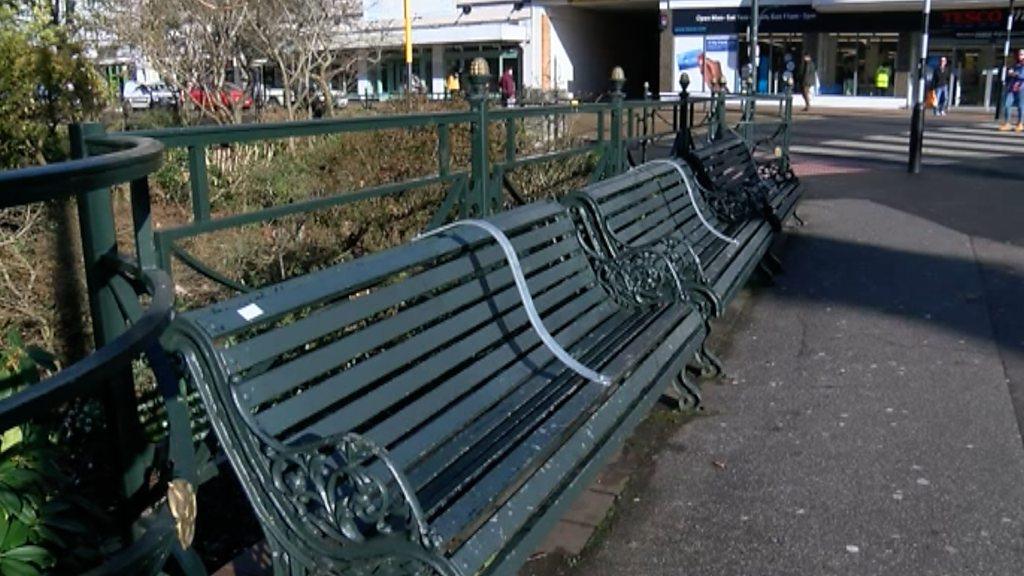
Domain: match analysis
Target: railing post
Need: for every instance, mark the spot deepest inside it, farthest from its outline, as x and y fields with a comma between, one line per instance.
x=479, y=75
x=684, y=139
x=199, y=182
x=444, y=150
x=787, y=118
x=99, y=240
x=717, y=129
x=510, y=140
x=615, y=145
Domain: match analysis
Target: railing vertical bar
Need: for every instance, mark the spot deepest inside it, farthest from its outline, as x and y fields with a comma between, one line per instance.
x=444, y=150
x=510, y=139
x=143, y=223
x=199, y=182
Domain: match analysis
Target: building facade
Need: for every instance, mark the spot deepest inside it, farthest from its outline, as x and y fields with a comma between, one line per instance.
x=447, y=35
x=861, y=49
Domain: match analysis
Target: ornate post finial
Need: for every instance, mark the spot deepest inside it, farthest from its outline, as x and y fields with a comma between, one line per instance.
x=618, y=80
x=479, y=75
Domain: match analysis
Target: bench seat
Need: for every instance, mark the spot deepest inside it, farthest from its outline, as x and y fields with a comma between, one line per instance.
x=399, y=413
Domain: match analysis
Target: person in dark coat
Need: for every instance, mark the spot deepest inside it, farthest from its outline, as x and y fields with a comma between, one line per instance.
x=808, y=77
x=940, y=83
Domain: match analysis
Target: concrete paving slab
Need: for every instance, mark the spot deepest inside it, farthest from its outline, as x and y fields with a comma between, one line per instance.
x=870, y=429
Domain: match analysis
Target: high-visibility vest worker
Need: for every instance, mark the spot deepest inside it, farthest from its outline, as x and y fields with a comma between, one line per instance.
x=882, y=77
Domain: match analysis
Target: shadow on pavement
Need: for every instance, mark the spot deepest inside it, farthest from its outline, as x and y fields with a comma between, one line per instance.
x=985, y=207
x=978, y=300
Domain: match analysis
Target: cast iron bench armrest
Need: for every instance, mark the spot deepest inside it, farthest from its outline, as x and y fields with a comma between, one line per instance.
x=637, y=275
x=524, y=296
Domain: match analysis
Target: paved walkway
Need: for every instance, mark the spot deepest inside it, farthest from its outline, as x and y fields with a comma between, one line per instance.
x=868, y=423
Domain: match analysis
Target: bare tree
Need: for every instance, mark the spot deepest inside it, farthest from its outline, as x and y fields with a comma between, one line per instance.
x=194, y=44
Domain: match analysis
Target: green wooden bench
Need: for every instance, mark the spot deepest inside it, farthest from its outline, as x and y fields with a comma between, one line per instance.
x=402, y=414
x=661, y=206
x=738, y=187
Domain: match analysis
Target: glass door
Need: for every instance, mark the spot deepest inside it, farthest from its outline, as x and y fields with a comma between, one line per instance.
x=970, y=77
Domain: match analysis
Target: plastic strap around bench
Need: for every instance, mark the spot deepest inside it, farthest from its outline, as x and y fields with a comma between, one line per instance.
x=696, y=208
x=524, y=296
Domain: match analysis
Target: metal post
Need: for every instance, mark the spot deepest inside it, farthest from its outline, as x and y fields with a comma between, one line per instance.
x=408, y=44
x=99, y=239
x=683, y=142
x=1001, y=98
x=199, y=182
x=917, y=119
x=479, y=75
x=718, y=127
x=755, y=22
x=788, y=119
x=615, y=146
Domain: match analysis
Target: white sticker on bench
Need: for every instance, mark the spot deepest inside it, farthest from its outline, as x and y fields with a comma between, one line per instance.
x=250, y=312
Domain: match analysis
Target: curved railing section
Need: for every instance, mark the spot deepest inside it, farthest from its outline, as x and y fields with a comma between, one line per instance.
x=136, y=307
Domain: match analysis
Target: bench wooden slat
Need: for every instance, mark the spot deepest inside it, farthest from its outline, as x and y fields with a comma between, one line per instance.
x=399, y=386
x=222, y=319
x=327, y=319
x=314, y=363
x=602, y=432
x=420, y=433
x=596, y=348
x=536, y=442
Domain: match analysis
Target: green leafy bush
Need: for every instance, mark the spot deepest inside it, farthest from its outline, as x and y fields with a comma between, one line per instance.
x=45, y=81
x=41, y=518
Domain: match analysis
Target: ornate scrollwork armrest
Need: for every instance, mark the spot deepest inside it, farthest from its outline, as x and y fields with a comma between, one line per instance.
x=334, y=497
x=771, y=171
x=656, y=274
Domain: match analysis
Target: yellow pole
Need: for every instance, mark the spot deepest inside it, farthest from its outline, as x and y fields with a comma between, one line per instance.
x=408, y=43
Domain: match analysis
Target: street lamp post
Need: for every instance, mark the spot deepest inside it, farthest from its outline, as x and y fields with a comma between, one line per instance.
x=755, y=20
x=917, y=119
x=1001, y=98
x=407, y=13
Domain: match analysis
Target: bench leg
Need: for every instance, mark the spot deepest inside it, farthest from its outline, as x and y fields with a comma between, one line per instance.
x=706, y=363
x=773, y=262
x=766, y=271
x=685, y=393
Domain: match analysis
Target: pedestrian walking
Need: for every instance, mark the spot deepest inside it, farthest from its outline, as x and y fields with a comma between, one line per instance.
x=808, y=77
x=507, y=85
x=1014, y=93
x=940, y=83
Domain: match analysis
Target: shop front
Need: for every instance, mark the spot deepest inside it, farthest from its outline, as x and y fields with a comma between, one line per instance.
x=857, y=54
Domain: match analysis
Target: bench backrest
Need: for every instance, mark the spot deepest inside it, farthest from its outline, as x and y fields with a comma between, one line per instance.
x=725, y=164
x=648, y=204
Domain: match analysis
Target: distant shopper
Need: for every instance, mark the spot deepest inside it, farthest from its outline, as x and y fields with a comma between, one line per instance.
x=808, y=77
x=940, y=83
x=507, y=85
x=882, y=75
x=1014, y=93
x=451, y=83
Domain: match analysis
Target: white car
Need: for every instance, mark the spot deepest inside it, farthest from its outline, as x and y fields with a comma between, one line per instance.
x=136, y=96
x=162, y=95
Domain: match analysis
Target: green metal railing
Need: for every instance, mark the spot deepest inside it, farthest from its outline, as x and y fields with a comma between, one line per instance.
x=124, y=329
x=617, y=134
x=622, y=133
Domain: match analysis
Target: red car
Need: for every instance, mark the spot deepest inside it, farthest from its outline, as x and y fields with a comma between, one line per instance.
x=230, y=95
